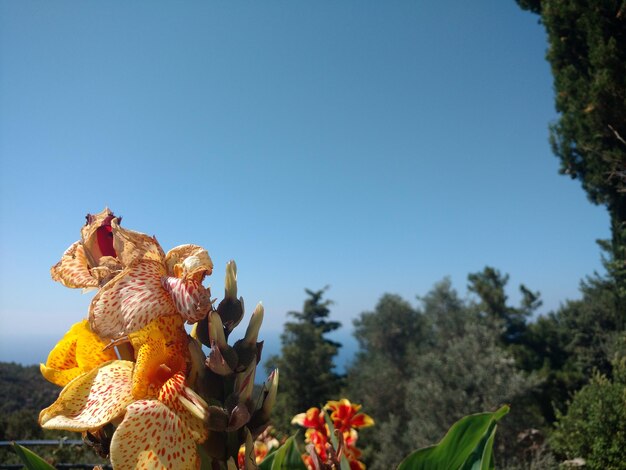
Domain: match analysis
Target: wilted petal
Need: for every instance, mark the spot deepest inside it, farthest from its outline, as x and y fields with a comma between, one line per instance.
x=91, y=400
x=130, y=301
x=132, y=246
x=189, y=262
x=73, y=269
x=192, y=299
x=152, y=436
x=79, y=351
x=97, y=236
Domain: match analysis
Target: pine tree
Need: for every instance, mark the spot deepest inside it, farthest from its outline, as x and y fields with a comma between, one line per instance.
x=306, y=361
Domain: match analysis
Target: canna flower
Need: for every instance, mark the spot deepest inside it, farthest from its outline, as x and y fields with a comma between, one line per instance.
x=312, y=419
x=345, y=419
x=263, y=445
x=346, y=416
x=79, y=351
x=160, y=432
x=137, y=282
x=260, y=452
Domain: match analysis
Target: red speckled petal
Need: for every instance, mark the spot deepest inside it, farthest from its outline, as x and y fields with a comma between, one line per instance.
x=73, y=269
x=169, y=395
x=130, y=301
x=152, y=437
x=91, y=400
x=162, y=351
x=192, y=299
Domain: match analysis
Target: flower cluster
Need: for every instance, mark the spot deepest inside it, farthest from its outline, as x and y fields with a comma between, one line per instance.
x=135, y=383
x=346, y=419
x=265, y=443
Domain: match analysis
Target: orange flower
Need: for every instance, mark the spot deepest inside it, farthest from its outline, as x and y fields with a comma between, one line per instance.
x=312, y=419
x=345, y=415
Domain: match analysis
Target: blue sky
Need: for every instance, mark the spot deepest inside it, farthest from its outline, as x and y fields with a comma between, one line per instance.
x=371, y=146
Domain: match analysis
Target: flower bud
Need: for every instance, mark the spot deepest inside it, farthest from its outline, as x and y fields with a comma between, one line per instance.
x=252, y=332
x=231, y=280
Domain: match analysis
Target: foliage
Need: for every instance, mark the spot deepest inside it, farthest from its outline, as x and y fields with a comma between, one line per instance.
x=594, y=427
x=287, y=457
x=566, y=346
x=30, y=459
x=420, y=369
x=19, y=412
x=306, y=360
x=467, y=445
x=587, y=52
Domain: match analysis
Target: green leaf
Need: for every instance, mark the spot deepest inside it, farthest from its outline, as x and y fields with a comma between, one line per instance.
x=467, y=445
x=287, y=457
x=31, y=460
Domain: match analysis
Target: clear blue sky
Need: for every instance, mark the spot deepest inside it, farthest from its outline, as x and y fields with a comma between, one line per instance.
x=372, y=146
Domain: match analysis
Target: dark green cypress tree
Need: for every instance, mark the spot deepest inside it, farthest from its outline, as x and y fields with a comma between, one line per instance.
x=587, y=53
x=306, y=362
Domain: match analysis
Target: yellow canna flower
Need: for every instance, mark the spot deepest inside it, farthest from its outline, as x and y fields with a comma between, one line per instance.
x=79, y=351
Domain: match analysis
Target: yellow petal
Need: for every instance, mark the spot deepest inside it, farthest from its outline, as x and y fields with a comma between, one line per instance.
x=153, y=437
x=73, y=269
x=130, y=301
x=91, y=400
x=79, y=351
x=162, y=351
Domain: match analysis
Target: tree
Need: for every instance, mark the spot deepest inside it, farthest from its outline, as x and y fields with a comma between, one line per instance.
x=566, y=346
x=587, y=53
x=489, y=285
x=387, y=336
x=420, y=369
x=306, y=361
x=594, y=427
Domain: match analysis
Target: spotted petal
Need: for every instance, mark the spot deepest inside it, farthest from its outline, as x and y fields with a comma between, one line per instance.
x=188, y=405
x=91, y=400
x=189, y=262
x=79, y=351
x=192, y=299
x=73, y=269
x=162, y=351
x=130, y=301
x=152, y=436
